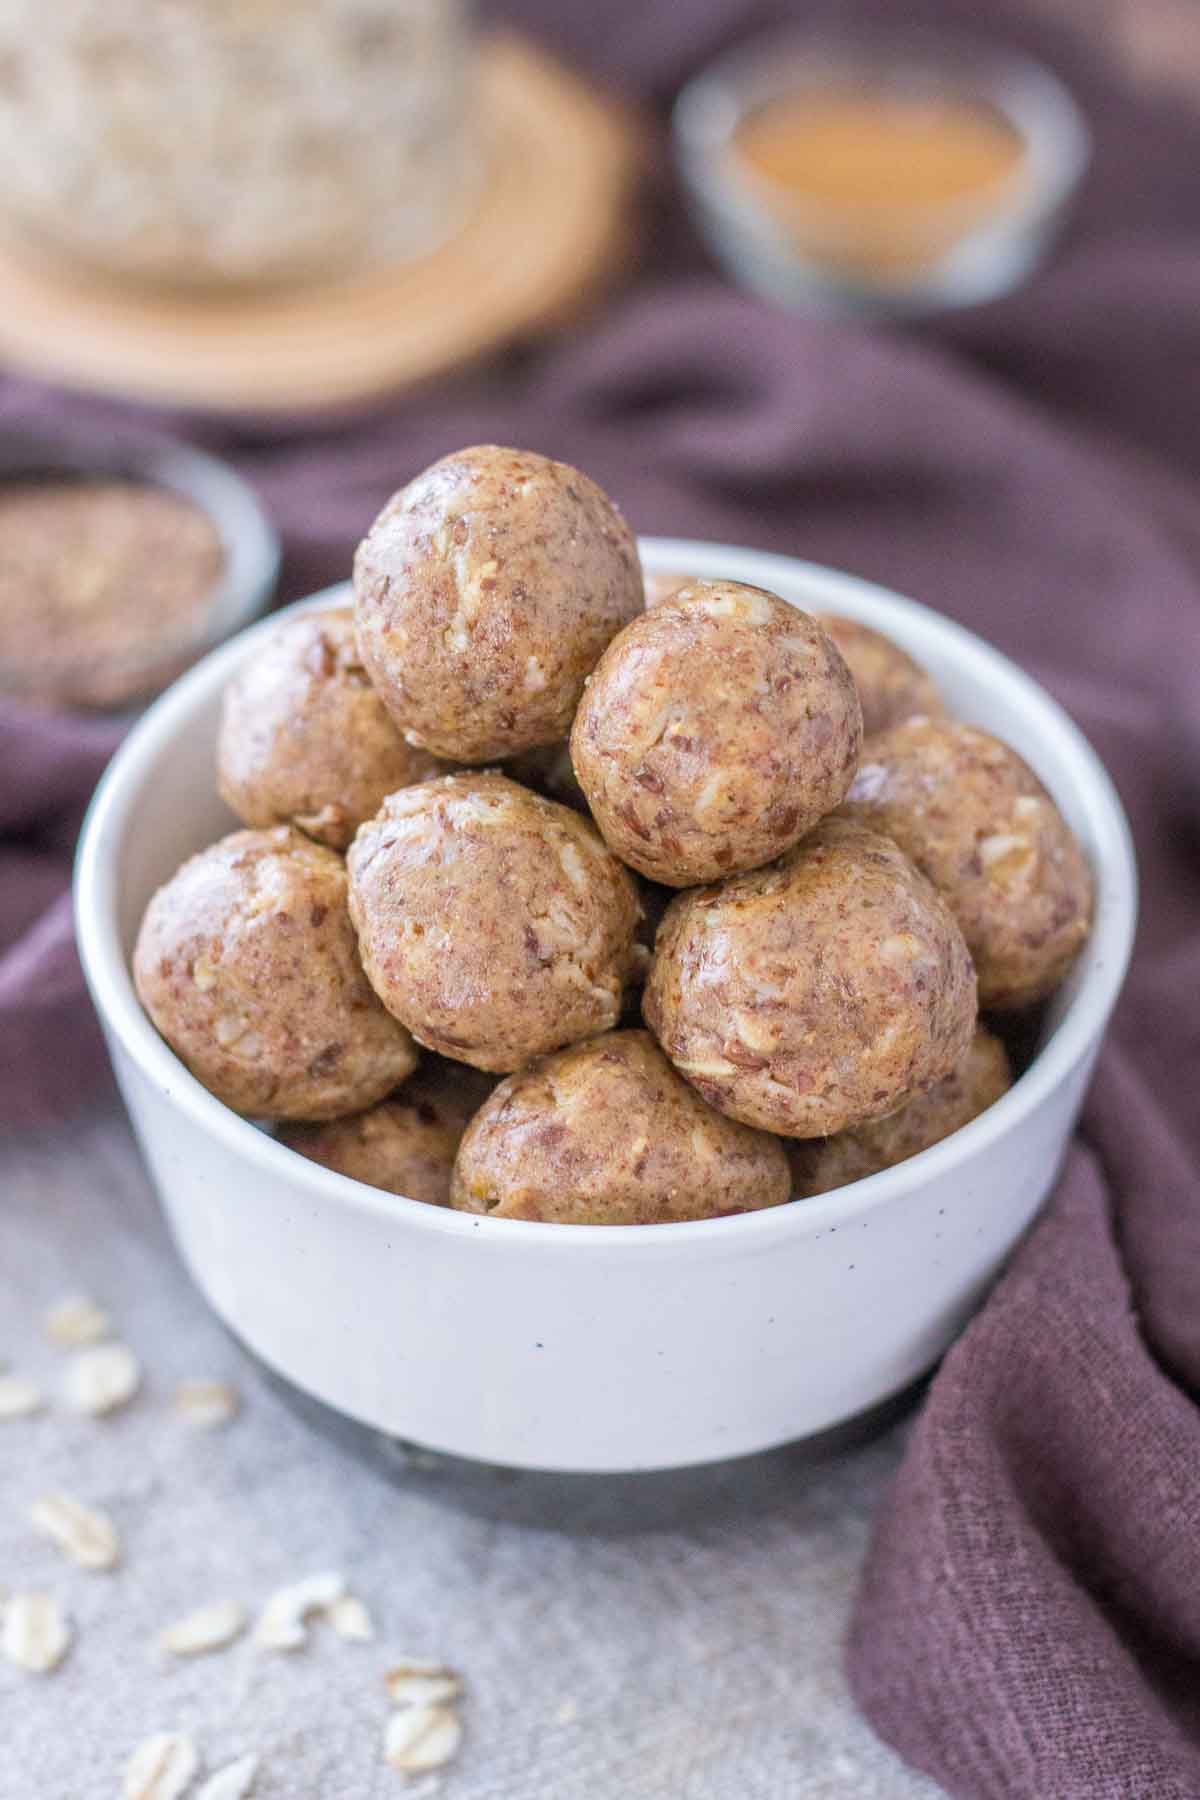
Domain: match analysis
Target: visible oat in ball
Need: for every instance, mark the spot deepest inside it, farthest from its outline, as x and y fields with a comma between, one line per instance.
x=817, y=993
x=495, y=923
x=406, y=1144
x=978, y=823
x=606, y=1133
x=485, y=592
x=716, y=730
x=304, y=737
x=891, y=686
x=247, y=964
x=820, y=1164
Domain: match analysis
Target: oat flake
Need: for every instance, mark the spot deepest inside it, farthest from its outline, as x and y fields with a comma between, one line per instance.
x=351, y=1620
x=281, y=1624
x=35, y=1634
x=161, y=1767
x=101, y=1379
x=421, y=1737
x=414, y=1683
x=209, y=1627
x=207, y=1404
x=86, y=1535
x=75, y=1321
x=19, y=1397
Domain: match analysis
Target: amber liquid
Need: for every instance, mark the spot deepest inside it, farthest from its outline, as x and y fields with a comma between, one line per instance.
x=876, y=181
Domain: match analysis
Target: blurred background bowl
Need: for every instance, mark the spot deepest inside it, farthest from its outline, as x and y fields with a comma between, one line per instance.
x=878, y=252
x=75, y=672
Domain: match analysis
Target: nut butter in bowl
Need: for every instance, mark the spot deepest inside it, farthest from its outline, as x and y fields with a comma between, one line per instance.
x=120, y=564
x=888, y=172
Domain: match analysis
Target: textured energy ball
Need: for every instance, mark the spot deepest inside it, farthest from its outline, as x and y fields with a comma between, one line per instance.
x=817, y=993
x=407, y=1144
x=247, y=964
x=493, y=922
x=891, y=686
x=716, y=730
x=304, y=737
x=978, y=823
x=606, y=1133
x=820, y=1164
x=484, y=594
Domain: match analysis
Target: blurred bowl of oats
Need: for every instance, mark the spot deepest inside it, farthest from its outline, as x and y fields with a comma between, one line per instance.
x=122, y=560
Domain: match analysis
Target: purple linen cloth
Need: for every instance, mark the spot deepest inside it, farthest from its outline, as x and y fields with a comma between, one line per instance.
x=1030, y=1619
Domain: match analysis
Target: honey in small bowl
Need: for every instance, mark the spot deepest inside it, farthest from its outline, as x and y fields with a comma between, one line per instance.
x=877, y=182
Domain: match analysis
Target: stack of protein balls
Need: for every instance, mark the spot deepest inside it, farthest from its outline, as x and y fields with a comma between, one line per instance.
x=469, y=794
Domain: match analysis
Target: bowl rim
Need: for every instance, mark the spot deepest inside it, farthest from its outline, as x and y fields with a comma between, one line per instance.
x=1073, y=1039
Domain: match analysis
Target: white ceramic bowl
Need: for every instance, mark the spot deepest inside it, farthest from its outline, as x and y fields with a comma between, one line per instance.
x=591, y=1348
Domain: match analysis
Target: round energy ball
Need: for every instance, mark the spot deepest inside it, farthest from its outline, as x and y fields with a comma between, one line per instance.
x=305, y=739
x=606, y=1133
x=975, y=819
x=484, y=594
x=817, y=993
x=494, y=923
x=891, y=686
x=820, y=1164
x=247, y=964
x=716, y=730
x=406, y=1144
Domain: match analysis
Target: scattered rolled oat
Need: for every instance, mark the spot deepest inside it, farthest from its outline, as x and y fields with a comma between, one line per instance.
x=568, y=1712
x=75, y=1321
x=161, y=1768
x=86, y=1535
x=101, y=1379
x=421, y=1737
x=414, y=1683
x=281, y=1624
x=209, y=1627
x=233, y=1782
x=207, y=1403
x=35, y=1634
x=351, y=1620
x=19, y=1397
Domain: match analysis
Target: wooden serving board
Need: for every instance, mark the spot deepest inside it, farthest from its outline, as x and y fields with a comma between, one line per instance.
x=552, y=225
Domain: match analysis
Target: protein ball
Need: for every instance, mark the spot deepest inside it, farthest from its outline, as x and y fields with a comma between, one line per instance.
x=978, y=823
x=484, y=594
x=817, y=993
x=820, y=1164
x=606, y=1133
x=891, y=686
x=716, y=730
x=406, y=1144
x=247, y=964
x=304, y=737
x=495, y=923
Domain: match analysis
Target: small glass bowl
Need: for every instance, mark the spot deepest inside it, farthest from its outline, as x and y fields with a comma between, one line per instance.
x=242, y=589
x=787, y=247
